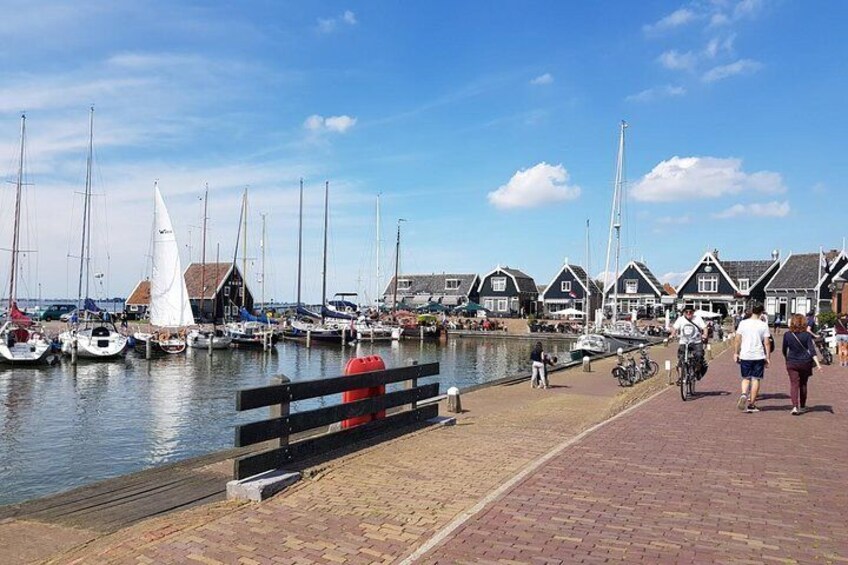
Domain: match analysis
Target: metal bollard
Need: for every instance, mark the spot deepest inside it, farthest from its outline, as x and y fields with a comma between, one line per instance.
x=668, y=371
x=709, y=351
x=587, y=364
x=454, y=402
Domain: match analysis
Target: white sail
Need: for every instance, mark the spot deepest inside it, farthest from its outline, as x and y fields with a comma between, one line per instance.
x=169, y=304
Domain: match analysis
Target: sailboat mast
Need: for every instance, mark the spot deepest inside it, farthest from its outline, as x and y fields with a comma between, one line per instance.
x=324, y=270
x=17, y=226
x=588, y=298
x=299, y=241
x=238, y=238
x=203, y=252
x=397, y=266
x=85, y=239
x=619, y=189
x=244, y=252
x=379, y=246
x=262, y=247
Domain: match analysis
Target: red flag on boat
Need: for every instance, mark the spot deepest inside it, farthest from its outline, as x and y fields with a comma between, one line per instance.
x=19, y=317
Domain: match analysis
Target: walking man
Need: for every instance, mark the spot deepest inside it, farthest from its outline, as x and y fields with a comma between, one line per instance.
x=752, y=349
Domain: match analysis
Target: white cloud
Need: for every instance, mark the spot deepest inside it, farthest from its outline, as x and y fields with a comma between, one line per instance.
x=740, y=67
x=677, y=18
x=329, y=25
x=677, y=61
x=656, y=92
x=546, y=78
x=773, y=209
x=683, y=178
x=674, y=220
x=337, y=124
x=538, y=185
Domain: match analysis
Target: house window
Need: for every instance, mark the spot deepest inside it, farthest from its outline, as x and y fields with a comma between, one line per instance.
x=451, y=284
x=502, y=304
x=631, y=286
x=226, y=291
x=565, y=286
x=707, y=283
x=489, y=303
x=404, y=284
x=227, y=310
x=771, y=308
x=499, y=284
x=650, y=301
x=744, y=284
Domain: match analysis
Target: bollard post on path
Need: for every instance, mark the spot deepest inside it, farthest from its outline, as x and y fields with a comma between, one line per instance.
x=668, y=371
x=454, y=402
x=709, y=351
x=587, y=364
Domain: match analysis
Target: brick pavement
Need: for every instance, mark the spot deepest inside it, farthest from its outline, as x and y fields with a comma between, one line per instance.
x=380, y=504
x=684, y=482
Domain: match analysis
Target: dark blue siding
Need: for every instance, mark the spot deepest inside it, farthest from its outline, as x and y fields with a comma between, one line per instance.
x=644, y=286
x=554, y=292
x=691, y=287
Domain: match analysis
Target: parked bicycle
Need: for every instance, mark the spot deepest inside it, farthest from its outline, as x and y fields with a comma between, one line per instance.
x=687, y=373
x=649, y=367
x=628, y=372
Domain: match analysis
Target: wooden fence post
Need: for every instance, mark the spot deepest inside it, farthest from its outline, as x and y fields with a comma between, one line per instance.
x=281, y=410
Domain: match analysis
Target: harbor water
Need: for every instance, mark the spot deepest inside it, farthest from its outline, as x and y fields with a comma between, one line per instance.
x=66, y=426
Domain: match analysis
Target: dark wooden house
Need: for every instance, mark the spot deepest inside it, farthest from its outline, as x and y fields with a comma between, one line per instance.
x=804, y=283
x=220, y=288
x=569, y=289
x=449, y=290
x=508, y=292
x=637, y=289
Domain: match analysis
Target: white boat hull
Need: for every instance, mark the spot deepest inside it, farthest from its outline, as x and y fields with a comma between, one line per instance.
x=91, y=344
x=33, y=350
x=169, y=346
x=200, y=340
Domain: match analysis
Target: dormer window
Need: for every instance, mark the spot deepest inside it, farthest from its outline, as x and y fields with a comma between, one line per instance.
x=631, y=286
x=451, y=284
x=404, y=284
x=744, y=285
x=707, y=284
x=498, y=284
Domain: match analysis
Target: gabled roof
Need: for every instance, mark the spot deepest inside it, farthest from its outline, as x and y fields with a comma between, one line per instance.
x=140, y=295
x=799, y=272
x=832, y=257
x=579, y=275
x=714, y=260
x=669, y=289
x=213, y=277
x=434, y=284
x=646, y=274
x=523, y=282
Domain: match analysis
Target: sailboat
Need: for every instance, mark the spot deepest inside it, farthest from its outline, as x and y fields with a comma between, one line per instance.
x=249, y=332
x=306, y=325
x=170, y=310
x=199, y=338
x=589, y=344
x=93, y=335
x=22, y=341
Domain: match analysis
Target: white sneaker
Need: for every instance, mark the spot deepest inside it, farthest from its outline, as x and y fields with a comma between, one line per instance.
x=795, y=411
x=742, y=403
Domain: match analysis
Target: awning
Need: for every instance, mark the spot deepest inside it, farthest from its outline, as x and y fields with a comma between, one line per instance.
x=451, y=300
x=421, y=299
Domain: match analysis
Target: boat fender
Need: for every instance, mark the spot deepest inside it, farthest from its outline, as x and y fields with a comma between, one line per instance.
x=356, y=366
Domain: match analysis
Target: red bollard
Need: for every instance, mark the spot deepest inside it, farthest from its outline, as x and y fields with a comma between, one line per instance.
x=354, y=367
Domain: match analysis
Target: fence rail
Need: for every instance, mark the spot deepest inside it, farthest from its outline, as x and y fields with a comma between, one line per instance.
x=283, y=424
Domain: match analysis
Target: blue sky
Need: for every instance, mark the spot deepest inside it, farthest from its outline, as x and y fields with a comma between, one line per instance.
x=490, y=127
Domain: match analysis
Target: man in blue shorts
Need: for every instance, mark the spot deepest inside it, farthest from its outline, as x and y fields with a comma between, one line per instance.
x=752, y=349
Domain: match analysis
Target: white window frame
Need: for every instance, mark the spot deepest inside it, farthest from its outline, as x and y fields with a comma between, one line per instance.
x=771, y=305
x=404, y=284
x=631, y=286
x=650, y=301
x=707, y=284
x=227, y=310
x=744, y=285
x=226, y=291
x=489, y=303
x=498, y=284
x=565, y=286
x=133, y=308
x=452, y=284
x=503, y=305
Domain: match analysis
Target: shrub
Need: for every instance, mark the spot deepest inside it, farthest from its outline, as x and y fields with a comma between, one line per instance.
x=827, y=318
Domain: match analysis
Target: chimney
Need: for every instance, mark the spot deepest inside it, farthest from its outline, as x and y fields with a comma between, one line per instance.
x=715, y=253
x=775, y=255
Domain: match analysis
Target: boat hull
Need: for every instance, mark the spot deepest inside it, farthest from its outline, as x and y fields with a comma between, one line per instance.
x=199, y=340
x=94, y=344
x=159, y=347
x=23, y=345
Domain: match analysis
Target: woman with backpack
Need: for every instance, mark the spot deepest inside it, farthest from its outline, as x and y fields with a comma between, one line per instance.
x=799, y=349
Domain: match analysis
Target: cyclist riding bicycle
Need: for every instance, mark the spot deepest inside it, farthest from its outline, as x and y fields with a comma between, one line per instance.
x=692, y=332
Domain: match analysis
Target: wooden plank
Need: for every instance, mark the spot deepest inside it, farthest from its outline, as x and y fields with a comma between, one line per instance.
x=256, y=432
x=250, y=465
x=250, y=398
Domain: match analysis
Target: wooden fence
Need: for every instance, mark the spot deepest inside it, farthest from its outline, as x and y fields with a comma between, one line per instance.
x=283, y=424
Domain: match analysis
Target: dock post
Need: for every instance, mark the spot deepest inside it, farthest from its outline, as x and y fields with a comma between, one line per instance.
x=74, y=351
x=371, y=335
x=344, y=337
x=281, y=411
x=587, y=364
x=211, y=339
x=148, y=347
x=308, y=338
x=421, y=333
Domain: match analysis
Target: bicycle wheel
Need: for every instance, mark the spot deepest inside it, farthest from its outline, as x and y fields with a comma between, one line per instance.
x=621, y=375
x=827, y=356
x=692, y=382
x=684, y=383
x=653, y=368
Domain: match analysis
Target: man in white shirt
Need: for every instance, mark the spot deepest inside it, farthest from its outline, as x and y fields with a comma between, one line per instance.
x=752, y=349
x=692, y=332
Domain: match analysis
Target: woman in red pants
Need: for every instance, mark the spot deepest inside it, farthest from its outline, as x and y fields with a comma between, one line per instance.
x=800, y=353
